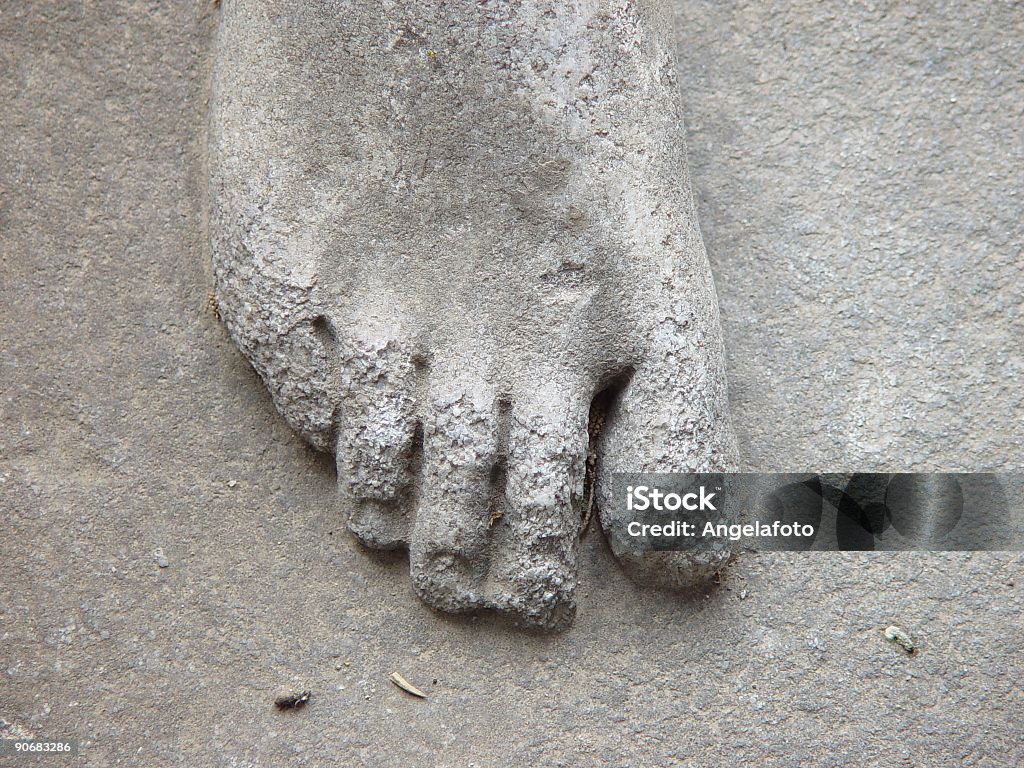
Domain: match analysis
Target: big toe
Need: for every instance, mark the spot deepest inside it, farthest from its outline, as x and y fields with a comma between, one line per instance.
x=663, y=421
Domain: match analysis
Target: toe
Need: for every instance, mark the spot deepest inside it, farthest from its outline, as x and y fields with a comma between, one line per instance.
x=669, y=417
x=448, y=554
x=534, y=568
x=376, y=447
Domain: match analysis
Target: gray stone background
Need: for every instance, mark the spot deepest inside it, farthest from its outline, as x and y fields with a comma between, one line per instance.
x=859, y=169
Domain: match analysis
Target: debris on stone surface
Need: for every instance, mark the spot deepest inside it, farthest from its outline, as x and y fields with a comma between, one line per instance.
x=160, y=558
x=10, y=729
x=896, y=635
x=289, y=698
x=406, y=686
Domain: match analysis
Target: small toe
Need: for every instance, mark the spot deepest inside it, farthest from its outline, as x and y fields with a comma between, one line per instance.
x=376, y=452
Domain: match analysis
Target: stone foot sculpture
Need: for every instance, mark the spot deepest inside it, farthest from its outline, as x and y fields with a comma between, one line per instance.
x=440, y=230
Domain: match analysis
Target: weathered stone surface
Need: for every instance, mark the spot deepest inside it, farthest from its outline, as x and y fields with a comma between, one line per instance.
x=128, y=422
